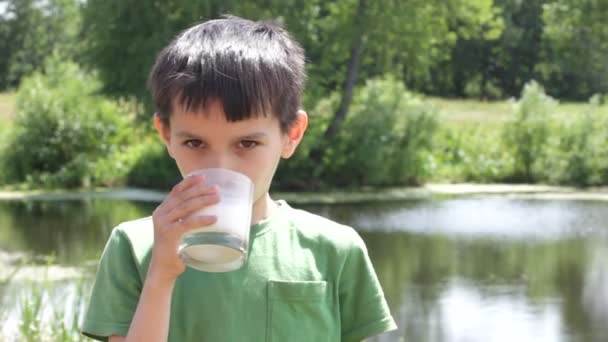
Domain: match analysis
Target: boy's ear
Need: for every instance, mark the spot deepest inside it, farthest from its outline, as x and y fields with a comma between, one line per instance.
x=295, y=134
x=163, y=131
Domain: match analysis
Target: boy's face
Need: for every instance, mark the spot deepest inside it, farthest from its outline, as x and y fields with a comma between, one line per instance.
x=252, y=146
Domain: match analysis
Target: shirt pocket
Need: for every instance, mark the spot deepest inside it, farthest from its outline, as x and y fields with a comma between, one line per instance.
x=301, y=311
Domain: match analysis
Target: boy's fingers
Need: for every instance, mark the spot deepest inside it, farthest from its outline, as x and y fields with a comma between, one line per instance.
x=196, y=221
x=169, y=202
x=175, y=200
x=186, y=183
x=196, y=191
x=192, y=205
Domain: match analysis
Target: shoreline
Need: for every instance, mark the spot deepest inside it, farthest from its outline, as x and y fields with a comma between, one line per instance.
x=428, y=191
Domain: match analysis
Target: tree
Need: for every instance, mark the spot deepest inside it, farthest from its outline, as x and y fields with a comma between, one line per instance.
x=393, y=35
x=356, y=50
x=517, y=51
x=123, y=37
x=467, y=71
x=346, y=41
x=32, y=30
x=575, y=48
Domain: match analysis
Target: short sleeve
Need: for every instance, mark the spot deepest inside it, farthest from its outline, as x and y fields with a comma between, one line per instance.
x=115, y=292
x=363, y=308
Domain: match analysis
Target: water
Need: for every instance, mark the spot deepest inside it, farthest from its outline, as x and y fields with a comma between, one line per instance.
x=469, y=269
x=489, y=268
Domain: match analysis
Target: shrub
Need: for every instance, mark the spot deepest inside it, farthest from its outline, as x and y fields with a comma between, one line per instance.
x=385, y=139
x=154, y=168
x=576, y=153
x=114, y=169
x=470, y=154
x=62, y=127
x=527, y=133
x=5, y=128
x=299, y=172
x=397, y=130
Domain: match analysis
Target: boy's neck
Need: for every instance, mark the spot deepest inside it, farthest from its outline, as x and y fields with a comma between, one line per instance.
x=262, y=209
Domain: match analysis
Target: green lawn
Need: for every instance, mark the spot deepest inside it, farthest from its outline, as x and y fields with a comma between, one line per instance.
x=7, y=106
x=493, y=113
x=464, y=110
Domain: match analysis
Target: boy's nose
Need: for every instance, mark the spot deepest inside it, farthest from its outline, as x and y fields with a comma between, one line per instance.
x=218, y=161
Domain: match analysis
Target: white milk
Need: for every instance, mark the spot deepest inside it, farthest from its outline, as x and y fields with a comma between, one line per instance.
x=233, y=217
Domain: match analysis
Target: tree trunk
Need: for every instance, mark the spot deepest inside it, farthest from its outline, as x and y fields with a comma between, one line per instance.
x=356, y=50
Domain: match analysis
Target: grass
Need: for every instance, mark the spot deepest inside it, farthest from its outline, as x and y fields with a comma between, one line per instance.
x=493, y=113
x=472, y=111
x=45, y=309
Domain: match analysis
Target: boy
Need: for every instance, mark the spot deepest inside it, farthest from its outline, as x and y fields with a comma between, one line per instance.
x=227, y=94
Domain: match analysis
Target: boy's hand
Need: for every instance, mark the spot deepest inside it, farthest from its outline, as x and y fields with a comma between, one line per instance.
x=172, y=218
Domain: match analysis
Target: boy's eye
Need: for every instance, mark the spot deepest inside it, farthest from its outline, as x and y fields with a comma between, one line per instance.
x=193, y=143
x=248, y=144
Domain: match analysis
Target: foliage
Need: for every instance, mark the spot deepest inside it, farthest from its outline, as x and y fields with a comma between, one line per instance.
x=299, y=172
x=470, y=154
x=575, y=47
x=403, y=38
x=563, y=144
x=4, y=133
x=390, y=134
x=576, y=152
x=476, y=27
x=528, y=131
x=31, y=30
x=153, y=167
x=384, y=141
x=484, y=48
x=517, y=51
x=62, y=127
x=112, y=170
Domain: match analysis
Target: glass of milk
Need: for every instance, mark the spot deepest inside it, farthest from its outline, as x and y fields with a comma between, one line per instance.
x=222, y=246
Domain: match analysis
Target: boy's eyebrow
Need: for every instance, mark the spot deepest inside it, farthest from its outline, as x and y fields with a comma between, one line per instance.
x=256, y=135
x=184, y=134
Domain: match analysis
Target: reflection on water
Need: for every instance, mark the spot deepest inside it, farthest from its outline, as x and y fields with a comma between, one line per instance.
x=478, y=216
x=474, y=269
x=452, y=289
x=488, y=268
x=72, y=231
x=595, y=285
x=506, y=315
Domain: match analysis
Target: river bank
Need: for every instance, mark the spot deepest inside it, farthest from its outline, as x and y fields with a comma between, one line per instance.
x=338, y=196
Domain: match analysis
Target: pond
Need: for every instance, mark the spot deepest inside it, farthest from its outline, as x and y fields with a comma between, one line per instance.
x=476, y=268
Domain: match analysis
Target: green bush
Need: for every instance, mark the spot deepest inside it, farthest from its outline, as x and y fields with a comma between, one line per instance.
x=470, y=154
x=5, y=128
x=62, y=128
x=299, y=172
x=527, y=133
x=114, y=169
x=153, y=168
x=385, y=139
x=576, y=153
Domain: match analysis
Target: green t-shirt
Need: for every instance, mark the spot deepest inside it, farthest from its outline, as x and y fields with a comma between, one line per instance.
x=306, y=279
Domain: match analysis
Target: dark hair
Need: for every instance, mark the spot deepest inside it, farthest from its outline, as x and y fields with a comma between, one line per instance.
x=252, y=68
